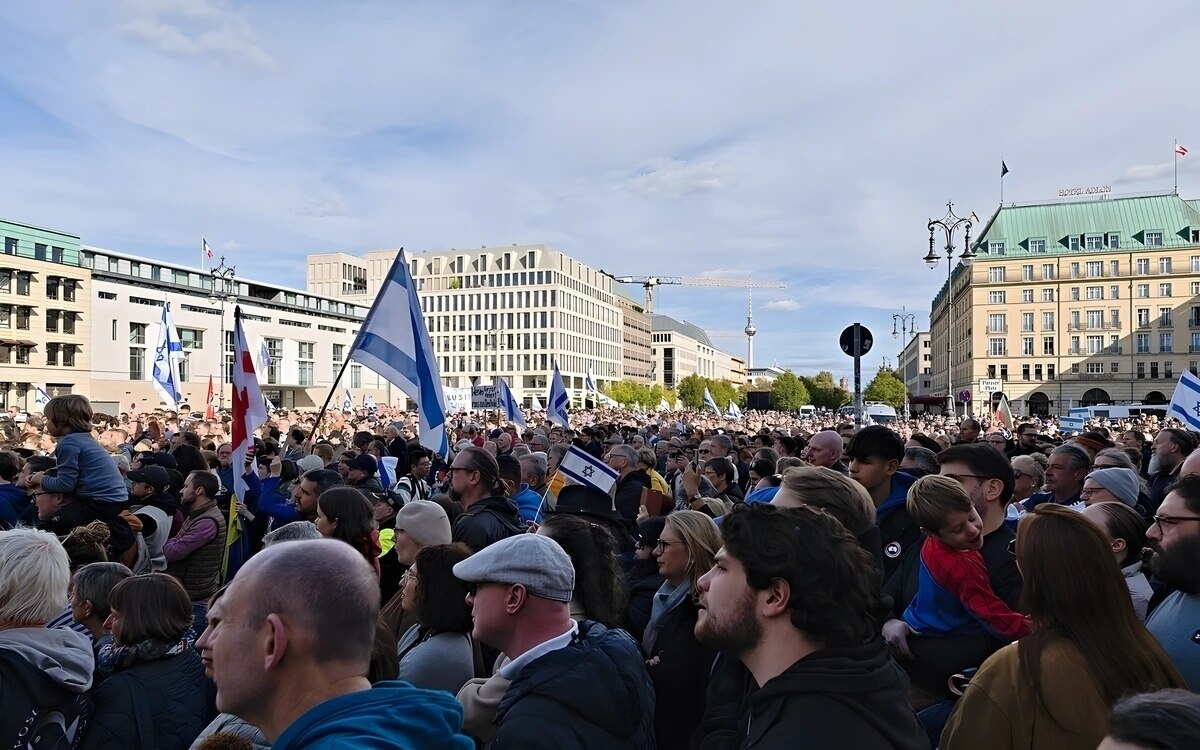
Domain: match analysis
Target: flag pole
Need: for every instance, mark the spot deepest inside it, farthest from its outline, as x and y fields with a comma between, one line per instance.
x=1003, y=171
x=1175, y=151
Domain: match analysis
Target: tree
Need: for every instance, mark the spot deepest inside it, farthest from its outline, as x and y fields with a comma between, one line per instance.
x=885, y=387
x=823, y=392
x=724, y=391
x=691, y=391
x=788, y=392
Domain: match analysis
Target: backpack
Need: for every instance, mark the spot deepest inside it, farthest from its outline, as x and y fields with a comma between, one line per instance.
x=38, y=716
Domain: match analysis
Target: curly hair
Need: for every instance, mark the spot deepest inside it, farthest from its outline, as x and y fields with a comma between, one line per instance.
x=593, y=551
x=834, y=595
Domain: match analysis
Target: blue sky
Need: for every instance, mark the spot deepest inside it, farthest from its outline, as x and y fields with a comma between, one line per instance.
x=800, y=142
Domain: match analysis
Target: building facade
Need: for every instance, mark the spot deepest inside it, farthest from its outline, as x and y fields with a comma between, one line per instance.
x=45, y=323
x=1074, y=304
x=637, y=351
x=916, y=368
x=682, y=349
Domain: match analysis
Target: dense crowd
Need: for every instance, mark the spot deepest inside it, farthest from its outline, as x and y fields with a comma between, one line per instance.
x=774, y=581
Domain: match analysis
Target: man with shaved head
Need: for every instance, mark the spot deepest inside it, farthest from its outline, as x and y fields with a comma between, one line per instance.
x=289, y=644
x=825, y=449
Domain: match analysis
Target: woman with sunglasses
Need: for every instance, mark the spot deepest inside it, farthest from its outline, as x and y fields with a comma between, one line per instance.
x=678, y=664
x=1055, y=687
x=1028, y=474
x=642, y=579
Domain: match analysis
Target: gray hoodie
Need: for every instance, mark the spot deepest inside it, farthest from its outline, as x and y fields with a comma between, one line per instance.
x=61, y=654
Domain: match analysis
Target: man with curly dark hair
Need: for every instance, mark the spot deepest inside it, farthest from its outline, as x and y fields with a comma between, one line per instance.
x=793, y=597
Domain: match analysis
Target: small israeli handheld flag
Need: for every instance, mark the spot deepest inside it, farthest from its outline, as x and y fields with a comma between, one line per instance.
x=348, y=402
x=734, y=412
x=40, y=397
x=168, y=353
x=1185, y=402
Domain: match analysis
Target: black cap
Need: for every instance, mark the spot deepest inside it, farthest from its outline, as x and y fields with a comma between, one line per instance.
x=155, y=476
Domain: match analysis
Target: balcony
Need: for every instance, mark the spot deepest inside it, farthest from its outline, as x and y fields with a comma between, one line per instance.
x=998, y=352
x=1164, y=323
x=1110, y=325
x=997, y=329
x=1193, y=322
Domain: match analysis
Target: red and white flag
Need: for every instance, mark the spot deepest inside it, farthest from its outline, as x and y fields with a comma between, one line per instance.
x=249, y=409
x=210, y=413
x=208, y=253
x=1004, y=413
x=1180, y=149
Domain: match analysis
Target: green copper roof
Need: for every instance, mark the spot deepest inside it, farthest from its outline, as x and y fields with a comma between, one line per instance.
x=1130, y=218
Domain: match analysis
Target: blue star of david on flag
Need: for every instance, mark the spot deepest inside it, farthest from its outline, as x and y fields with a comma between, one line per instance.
x=1185, y=402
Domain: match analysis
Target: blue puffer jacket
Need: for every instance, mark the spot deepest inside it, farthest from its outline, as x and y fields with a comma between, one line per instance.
x=595, y=693
x=155, y=705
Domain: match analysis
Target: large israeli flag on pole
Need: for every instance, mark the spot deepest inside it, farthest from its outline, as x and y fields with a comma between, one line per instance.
x=558, y=400
x=168, y=352
x=508, y=404
x=734, y=412
x=394, y=342
x=1185, y=402
x=710, y=403
x=589, y=382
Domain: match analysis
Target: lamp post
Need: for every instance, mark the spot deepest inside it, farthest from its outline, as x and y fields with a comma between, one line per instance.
x=222, y=278
x=949, y=224
x=908, y=327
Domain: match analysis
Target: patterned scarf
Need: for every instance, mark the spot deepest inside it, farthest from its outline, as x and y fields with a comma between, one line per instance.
x=113, y=658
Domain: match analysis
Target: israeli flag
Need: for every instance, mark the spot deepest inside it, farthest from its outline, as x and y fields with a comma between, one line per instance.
x=734, y=412
x=267, y=403
x=394, y=342
x=264, y=356
x=508, y=404
x=663, y=405
x=40, y=397
x=558, y=400
x=1185, y=402
x=369, y=403
x=168, y=353
x=710, y=403
x=582, y=468
x=348, y=402
x=535, y=404
x=589, y=382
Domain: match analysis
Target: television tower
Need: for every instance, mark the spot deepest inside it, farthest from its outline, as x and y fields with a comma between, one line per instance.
x=750, y=331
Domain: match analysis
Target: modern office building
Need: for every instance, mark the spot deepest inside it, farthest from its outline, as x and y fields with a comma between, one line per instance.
x=916, y=368
x=1074, y=303
x=510, y=311
x=307, y=336
x=637, y=352
x=681, y=349
x=45, y=322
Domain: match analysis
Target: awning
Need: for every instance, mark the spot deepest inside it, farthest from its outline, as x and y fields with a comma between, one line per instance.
x=16, y=342
x=927, y=399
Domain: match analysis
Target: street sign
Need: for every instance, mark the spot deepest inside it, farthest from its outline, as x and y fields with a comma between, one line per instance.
x=964, y=396
x=991, y=385
x=864, y=337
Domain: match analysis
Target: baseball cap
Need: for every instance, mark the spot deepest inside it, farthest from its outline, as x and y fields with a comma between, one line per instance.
x=157, y=458
x=155, y=476
x=363, y=463
x=308, y=463
x=531, y=560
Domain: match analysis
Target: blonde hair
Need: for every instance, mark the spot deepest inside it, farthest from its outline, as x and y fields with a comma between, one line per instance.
x=1033, y=464
x=933, y=497
x=34, y=576
x=67, y=414
x=646, y=457
x=839, y=495
x=789, y=462
x=699, y=534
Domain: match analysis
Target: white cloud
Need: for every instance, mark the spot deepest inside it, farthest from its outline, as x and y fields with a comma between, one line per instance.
x=675, y=178
x=786, y=305
x=229, y=38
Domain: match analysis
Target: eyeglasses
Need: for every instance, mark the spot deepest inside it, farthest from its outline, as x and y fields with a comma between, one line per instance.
x=1017, y=474
x=450, y=471
x=409, y=576
x=663, y=544
x=1089, y=491
x=1160, y=521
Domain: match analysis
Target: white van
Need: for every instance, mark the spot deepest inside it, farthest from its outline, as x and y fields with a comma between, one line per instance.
x=879, y=413
x=808, y=410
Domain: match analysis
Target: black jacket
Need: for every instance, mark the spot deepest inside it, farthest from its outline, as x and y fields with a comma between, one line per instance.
x=641, y=581
x=679, y=665
x=594, y=693
x=852, y=697
x=629, y=493
x=488, y=521
x=156, y=705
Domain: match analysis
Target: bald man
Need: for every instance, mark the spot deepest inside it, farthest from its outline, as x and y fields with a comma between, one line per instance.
x=825, y=449
x=289, y=644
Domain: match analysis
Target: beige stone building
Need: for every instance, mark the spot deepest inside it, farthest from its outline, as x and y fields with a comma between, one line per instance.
x=1074, y=304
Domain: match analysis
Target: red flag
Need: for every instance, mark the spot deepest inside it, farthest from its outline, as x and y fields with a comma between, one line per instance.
x=209, y=412
x=1180, y=149
x=249, y=409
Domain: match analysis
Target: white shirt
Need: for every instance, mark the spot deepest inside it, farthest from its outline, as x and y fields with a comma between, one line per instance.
x=509, y=671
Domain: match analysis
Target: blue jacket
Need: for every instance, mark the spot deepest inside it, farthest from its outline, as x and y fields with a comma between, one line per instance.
x=898, y=533
x=528, y=503
x=86, y=470
x=13, y=500
x=276, y=504
x=392, y=714
x=594, y=693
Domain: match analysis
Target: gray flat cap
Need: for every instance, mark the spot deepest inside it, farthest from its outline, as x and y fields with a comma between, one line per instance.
x=536, y=562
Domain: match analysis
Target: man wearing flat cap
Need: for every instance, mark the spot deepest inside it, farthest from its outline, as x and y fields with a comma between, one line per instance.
x=577, y=685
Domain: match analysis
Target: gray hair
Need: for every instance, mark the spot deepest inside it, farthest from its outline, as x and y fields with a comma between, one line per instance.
x=558, y=451
x=722, y=440
x=537, y=463
x=1079, y=457
x=296, y=531
x=35, y=573
x=625, y=451
x=925, y=460
x=94, y=581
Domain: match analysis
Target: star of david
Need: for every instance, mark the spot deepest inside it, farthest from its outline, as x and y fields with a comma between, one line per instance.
x=588, y=471
x=1196, y=408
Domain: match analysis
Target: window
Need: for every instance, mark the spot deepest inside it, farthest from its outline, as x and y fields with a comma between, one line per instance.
x=1024, y=372
x=1095, y=318
x=1114, y=291
x=1141, y=370
x=1114, y=239
x=1074, y=345
x=1075, y=293
x=1027, y=321
x=1047, y=271
x=1095, y=292
x=1027, y=272
x=1143, y=266
x=1049, y=372
x=10, y=246
x=1047, y=295
x=1143, y=290
x=996, y=273
x=1074, y=270
x=1196, y=264
x=304, y=373
x=1164, y=290
x=1164, y=265
x=68, y=289
x=1047, y=321
x=1093, y=241
x=1095, y=368
x=339, y=353
x=52, y=321
x=1194, y=318
x=1195, y=347
x=1154, y=370
x=23, y=281
x=996, y=347
x=997, y=324
x=1037, y=246
x=275, y=355
x=1164, y=342
x=1168, y=369
x=1095, y=268
x=1027, y=346
x=191, y=338
x=1095, y=344
x=1073, y=242
x=1153, y=239
x=1074, y=324
x=52, y=287
x=1142, y=345
x=996, y=298
x=996, y=248
x=1195, y=288
x=137, y=333
x=306, y=350
x=356, y=376
x=137, y=363
x=1027, y=295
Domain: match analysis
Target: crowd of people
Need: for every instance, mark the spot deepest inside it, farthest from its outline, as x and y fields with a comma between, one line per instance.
x=776, y=581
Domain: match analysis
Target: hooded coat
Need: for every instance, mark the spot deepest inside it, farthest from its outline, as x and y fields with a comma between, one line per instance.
x=391, y=714
x=593, y=693
x=488, y=521
x=42, y=670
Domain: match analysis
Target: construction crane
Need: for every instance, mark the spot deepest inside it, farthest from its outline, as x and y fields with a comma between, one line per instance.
x=649, y=282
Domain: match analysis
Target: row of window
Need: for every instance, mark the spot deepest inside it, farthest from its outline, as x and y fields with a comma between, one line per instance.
x=41, y=251
x=1090, y=269
x=1091, y=241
